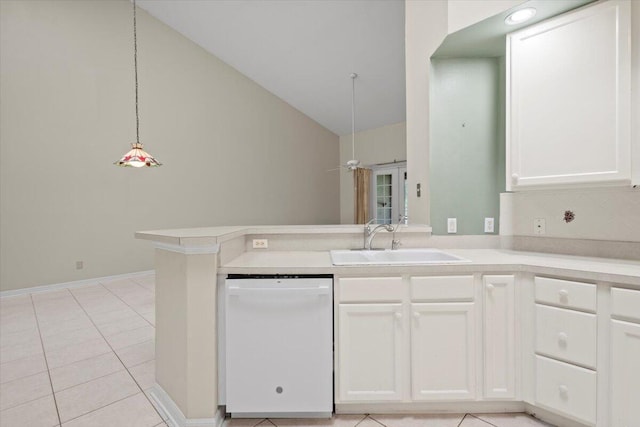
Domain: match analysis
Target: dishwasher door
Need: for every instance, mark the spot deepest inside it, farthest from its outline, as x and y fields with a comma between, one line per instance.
x=279, y=347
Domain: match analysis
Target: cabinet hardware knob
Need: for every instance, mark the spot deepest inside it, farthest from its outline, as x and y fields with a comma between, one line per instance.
x=563, y=338
x=515, y=177
x=490, y=287
x=416, y=314
x=564, y=390
x=563, y=294
x=398, y=315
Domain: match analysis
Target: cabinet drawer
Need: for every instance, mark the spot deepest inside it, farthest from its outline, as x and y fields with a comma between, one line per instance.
x=370, y=289
x=567, y=335
x=625, y=303
x=566, y=388
x=442, y=288
x=565, y=293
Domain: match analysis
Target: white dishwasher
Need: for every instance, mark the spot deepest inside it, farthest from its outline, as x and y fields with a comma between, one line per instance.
x=279, y=346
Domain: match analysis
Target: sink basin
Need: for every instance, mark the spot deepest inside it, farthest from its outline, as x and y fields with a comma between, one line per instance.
x=394, y=257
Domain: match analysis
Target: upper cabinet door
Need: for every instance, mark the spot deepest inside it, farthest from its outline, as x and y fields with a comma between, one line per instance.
x=568, y=100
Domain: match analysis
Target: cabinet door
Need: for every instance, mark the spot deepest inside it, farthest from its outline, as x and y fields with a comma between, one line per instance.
x=625, y=375
x=443, y=351
x=499, y=337
x=371, y=352
x=568, y=112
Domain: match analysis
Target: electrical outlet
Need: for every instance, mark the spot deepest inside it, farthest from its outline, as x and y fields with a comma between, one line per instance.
x=452, y=225
x=260, y=243
x=489, y=225
x=539, y=226
x=79, y=265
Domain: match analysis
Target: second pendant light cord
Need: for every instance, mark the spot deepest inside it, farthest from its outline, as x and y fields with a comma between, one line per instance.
x=353, y=115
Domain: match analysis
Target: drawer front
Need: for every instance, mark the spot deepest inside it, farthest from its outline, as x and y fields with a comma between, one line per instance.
x=625, y=303
x=565, y=293
x=566, y=388
x=370, y=289
x=567, y=335
x=442, y=288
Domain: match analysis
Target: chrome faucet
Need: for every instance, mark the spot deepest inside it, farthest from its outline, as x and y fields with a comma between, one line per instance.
x=395, y=243
x=371, y=233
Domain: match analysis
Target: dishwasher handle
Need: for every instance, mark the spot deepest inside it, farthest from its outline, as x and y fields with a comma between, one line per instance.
x=238, y=291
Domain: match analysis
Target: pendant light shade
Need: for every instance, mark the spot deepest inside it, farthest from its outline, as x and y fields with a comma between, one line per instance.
x=137, y=157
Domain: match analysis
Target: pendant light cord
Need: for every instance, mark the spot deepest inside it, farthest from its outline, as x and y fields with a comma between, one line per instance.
x=353, y=115
x=135, y=68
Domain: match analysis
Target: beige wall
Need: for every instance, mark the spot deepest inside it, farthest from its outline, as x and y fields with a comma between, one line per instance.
x=600, y=214
x=233, y=153
x=373, y=146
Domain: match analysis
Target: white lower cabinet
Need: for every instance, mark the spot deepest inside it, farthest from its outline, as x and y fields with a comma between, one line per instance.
x=499, y=337
x=566, y=388
x=371, y=352
x=443, y=351
x=406, y=340
x=566, y=349
x=422, y=339
x=625, y=357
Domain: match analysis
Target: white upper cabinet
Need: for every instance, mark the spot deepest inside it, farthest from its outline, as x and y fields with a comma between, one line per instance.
x=568, y=100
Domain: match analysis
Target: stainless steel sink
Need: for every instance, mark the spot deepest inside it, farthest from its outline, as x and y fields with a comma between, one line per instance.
x=394, y=257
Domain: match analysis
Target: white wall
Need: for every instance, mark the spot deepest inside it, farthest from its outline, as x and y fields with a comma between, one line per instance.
x=463, y=13
x=425, y=29
x=373, y=146
x=233, y=153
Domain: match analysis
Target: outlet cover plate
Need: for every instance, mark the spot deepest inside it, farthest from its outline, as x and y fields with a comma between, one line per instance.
x=489, y=225
x=260, y=243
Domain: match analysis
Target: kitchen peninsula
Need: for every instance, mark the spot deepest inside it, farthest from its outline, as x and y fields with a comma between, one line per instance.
x=502, y=305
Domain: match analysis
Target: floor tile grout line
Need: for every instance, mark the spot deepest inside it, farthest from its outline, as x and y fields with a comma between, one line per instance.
x=81, y=360
x=102, y=407
x=364, y=417
x=127, y=304
x=484, y=421
x=46, y=362
x=92, y=379
x=125, y=366
x=130, y=330
x=376, y=421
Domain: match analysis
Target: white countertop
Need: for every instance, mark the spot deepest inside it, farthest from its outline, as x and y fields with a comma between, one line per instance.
x=211, y=235
x=482, y=260
x=319, y=262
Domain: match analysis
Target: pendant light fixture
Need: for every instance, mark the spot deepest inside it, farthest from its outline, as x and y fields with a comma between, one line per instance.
x=353, y=163
x=137, y=157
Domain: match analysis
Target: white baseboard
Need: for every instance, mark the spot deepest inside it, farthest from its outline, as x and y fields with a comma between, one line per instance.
x=175, y=417
x=429, y=407
x=74, y=284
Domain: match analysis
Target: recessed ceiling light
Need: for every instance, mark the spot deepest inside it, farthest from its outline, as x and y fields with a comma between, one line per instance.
x=520, y=16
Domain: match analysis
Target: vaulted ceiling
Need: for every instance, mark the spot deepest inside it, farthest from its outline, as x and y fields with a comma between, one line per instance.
x=304, y=51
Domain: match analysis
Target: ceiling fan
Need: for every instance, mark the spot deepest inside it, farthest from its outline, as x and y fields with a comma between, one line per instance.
x=352, y=164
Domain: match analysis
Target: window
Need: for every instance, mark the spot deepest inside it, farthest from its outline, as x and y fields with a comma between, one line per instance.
x=389, y=193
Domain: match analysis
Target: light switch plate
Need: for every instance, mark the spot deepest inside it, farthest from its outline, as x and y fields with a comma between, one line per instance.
x=539, y=226
x=452, y=225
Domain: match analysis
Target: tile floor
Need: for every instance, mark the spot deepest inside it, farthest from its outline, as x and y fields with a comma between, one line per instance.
x=84, y=357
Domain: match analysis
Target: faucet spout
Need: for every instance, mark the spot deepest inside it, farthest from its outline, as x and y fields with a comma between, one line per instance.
x=371, y=233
